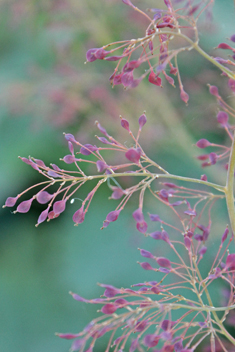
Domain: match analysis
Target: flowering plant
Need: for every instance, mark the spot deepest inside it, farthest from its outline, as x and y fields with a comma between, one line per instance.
x=144, y=317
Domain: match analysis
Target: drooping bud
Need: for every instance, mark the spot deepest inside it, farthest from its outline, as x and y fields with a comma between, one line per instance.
x=10, y=202
x=101, y=166
x=214, y=90
x=90, y=55
x=184, y=96
x=138, y=215
x=24, y=206
x=224, y=46
x=222, y=118
x=78, y=216
x=142, y=121
x=109, y=308
x=133, y=155
x=142, y=226
x=151, y=340
x=42, y=217
x=154, y=79
x=59, y=206
x=44, y=197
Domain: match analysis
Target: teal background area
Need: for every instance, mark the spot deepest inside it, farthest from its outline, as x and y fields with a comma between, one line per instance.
x=41, y=43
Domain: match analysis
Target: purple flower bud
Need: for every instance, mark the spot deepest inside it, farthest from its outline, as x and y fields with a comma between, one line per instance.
x=101, y=53
x=187, y=242
x=184, y=96
x=225, y=235
x=202, y=251
x=101, y=166
x=142, y=226
x=170, y=185
x=79, y=215
x=190, y=212
x=43, y=216
x=117, y=79
x=146, y=266
x=167, y=324
x=213, y=158
x=44, y=197
x=230, y=262
x=114, y=58
x=24, y=206
x=71, y=148
x=130, y=66
x=103, y=140
x=154, y=217
x=125, y=124
x=127, y=79
x=198, y=237
x=133, y=155
x=164, y=262
x=70, y=138
x=151, y=340
x=59, y=206
x=31, y=163
x=134, y=345
x=138, y=215
x=142, y=121
x=222, y=118
x=119, y=339
x=109, y=308
x=117, y=193
x=214, y=91
x=53, y=174
x=77, y=344
x=224, y=46
x=68, y=336
x=90, y=55
x=163, y=194
x=154, y=79
x=204, y=177
x=87, y=149
x=231, y=84
x=113, y=215
x=146, y=254
x=110, y=291
x=68, y=159
x=11, y=201
x=232, y=38
x=203, y=143
x=78, y=298
x=141, y=325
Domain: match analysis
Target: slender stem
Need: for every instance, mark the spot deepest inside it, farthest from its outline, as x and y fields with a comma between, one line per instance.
x=229, y=189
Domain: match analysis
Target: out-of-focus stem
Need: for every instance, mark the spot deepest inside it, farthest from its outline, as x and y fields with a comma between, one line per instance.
x=229, y=189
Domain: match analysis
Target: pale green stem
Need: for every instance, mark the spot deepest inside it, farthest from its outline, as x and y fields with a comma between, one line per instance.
x=229, y=189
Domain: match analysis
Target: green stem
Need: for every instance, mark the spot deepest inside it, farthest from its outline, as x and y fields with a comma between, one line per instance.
x=229, y=189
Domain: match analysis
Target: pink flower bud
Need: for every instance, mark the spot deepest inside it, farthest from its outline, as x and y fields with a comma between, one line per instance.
x=184, y=96
x=142, y=226
x=44, y=197
x=142, y=121
x=90, y=55
x=24, y=206
x=133, y=155
x=109, y=308
x=79, y=215
x=146, y=254
x=138, y=215
x=127, y=79
x=151, y=340
x=146, y=266
x=164, y=262
x=87, y=149
x=11, y=201
x=113, y=215
x=43, y=216
x=230, y=262
x=68, y=336
x=203, y=143
x=154, y=79
x=101, y=166
x=154, y=217
x=224, y=46
x=125, y=124
x=204, y=177
x=214, y=91
x=59, y=206
x=225, y=235
x=68, y=159
x=222, y=118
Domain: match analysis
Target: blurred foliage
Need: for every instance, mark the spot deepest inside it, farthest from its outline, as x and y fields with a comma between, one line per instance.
x=45, y=90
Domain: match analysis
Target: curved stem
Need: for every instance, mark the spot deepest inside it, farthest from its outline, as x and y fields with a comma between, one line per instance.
x=229, y=189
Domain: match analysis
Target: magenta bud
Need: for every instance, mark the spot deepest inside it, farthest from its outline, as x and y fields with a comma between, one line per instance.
x=90, y=55
x=154, y=217
x=146, y=254
x=79, y=215
x=68, y=336
x=203, y=143
x=70, y=138
x=52, y=215
x=59, y=206
x=231, y=84
x=213, y=158
x=142, y=121
x=69, y=159
x=131, y=65
x=101, y=166
x=77, y=344
x=214, y=90
x=204, y=177
x=125, y=124
x=133, y=155
x=117, y=193
x=222, y=118
x=187, y=242
x=146, y=266
x=142, y=226
x=113, y=58
x=24, y=206
x=101, y=53
x=113, y=215
x=71, y=148
x=173, y=71
x=43, y=216
x=151, y=340
x=44, y=197
x=78, y=298
x=184, y=96
x=141, y=325
x=202, y=251
x=102, y=129
x=127, y=79
x=117, y=79
x=225, y=235
x=87, y=149
x=10, y=202
x=167, y=324
x=154, y=79
x=138, y=215
x=230, y=262
x=109, y=308
x=224, y=46
x=164, y=262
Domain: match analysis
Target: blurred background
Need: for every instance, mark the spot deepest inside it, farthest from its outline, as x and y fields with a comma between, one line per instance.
x=46, y=90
